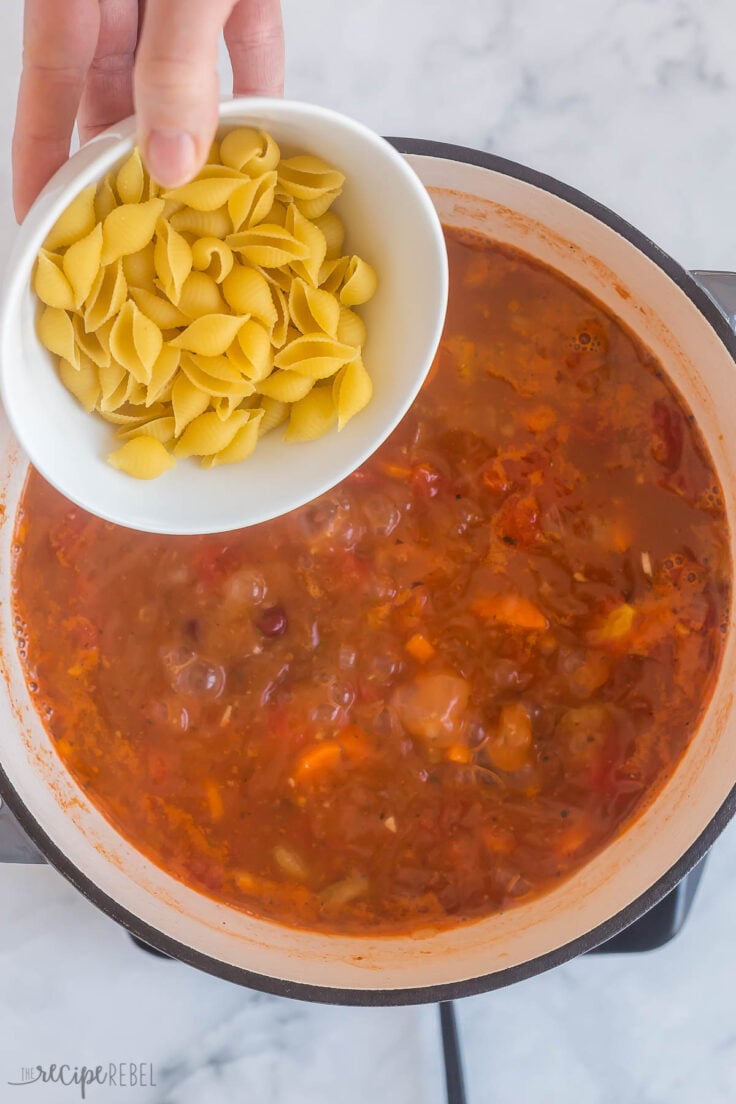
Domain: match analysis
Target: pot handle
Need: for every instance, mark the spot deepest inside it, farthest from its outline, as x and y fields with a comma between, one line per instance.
x=15, y=846
x=721, y=288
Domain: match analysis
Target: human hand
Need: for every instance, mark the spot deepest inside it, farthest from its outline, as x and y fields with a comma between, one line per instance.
x=93, y=60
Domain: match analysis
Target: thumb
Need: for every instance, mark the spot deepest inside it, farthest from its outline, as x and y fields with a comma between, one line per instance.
x=176, y=86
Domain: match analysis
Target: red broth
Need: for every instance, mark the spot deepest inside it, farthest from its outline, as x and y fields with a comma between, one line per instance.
x=440, y=688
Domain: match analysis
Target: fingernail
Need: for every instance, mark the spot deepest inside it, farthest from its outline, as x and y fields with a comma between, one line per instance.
x=171, y=156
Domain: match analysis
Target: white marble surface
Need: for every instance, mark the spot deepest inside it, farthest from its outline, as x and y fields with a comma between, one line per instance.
x=632, y=101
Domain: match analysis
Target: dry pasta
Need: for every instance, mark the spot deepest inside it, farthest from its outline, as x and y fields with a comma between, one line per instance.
x=197, y=320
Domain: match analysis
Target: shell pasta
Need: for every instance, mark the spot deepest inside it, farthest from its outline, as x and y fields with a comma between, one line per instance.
x=197, y=320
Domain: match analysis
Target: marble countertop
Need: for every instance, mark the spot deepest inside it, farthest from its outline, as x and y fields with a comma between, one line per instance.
x=633, y=102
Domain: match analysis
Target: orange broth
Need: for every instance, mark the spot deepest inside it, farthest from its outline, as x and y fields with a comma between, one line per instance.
x=440, y=688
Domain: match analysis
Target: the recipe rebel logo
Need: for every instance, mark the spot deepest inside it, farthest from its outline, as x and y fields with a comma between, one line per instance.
x=118, y=1075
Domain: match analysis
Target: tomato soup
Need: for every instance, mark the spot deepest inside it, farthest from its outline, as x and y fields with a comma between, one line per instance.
x=440, y=688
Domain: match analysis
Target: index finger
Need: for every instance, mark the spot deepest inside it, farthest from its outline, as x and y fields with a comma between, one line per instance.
x=58, y=46
x=254, y=35
x=176, y=85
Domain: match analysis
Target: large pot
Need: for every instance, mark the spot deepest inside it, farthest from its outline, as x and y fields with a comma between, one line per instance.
x=671, y=314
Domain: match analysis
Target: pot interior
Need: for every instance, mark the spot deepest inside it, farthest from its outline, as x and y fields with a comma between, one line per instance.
x=633, y=286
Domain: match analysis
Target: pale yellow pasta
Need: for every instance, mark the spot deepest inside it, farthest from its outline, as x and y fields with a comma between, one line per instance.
x=334, y=233
x=277, y=214
x=210, y=334
x=75, y=223
x=129, y=228
x=56, y=333
x=201, y=295
x=317, y=206
x=208, y=435
x=171, y=208
x=82, y=263
x=162, y=311
x=312, y=238
x=251, y=202
x=105, y=200
x=96, y=343
x=314, y=355
x=213, y=256
x=224, y=406
x=114, y=384
x=352, y=390
x=172, y=258
x=350, y=327
x=161, y=428
x=252, y=351
x=131, y=179
x=200, y=318
x=312, y=416
x=275, y=414
x=204, y=224
x=281, y=325
x=136, y=342
x=162, y=375
x=187, y=401
x=128, y=414
x=110, y=377
x=136, y=394
x=139, y=268
x=332, y=273
x=268, y=246
x=249, y=150
x=216, y=172
x=207, y=194
x=219, y=368
x=286, y=387
x=308, y=177
x=143, y=458
x=106, y=297
x=313, y=309
x=242, y=444
x=280, y=277
x=213, y=386
x=49, y=282
x=83, y=382
x=247, y=292
x=360, y=283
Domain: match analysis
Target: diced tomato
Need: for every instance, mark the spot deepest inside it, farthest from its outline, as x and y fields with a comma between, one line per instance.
x=215, y=560
x=494, y=477
x=427, y=480
x=517, y=521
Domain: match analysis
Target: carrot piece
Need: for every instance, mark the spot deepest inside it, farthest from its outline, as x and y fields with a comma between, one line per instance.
x=458, y=753
x=396, y=471
x=322, y=756
x=616, y=626
x=214, y=799
x=510, y=609
x=541, y=418
x=420, y=648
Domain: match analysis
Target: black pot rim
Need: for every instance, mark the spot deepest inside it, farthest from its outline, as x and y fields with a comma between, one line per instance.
x=499, y=979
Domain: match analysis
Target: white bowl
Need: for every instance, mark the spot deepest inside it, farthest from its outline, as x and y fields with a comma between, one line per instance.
x=390, y=221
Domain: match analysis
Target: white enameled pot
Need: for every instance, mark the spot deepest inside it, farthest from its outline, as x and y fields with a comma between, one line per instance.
x=671, y=314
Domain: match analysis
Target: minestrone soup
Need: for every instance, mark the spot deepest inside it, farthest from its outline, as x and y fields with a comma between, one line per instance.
x=441, y=687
